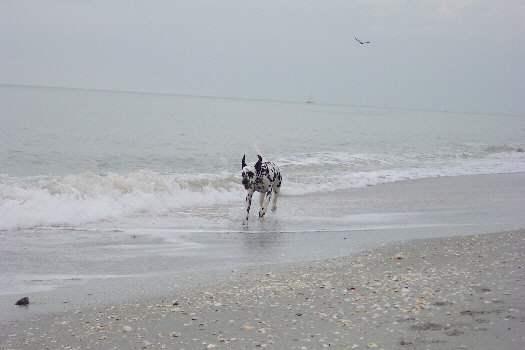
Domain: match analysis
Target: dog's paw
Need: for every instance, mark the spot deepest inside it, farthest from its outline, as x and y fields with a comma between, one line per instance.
x=274, y=208
x=245, y=222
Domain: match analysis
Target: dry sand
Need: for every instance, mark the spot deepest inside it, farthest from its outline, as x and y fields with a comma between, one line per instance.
x=447, y=293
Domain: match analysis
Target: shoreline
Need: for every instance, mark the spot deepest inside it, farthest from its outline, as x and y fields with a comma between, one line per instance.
x=109, y=256
x=463, y=292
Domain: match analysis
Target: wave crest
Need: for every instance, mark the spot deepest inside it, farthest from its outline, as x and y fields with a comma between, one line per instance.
x=74, y=200
x=78, y=199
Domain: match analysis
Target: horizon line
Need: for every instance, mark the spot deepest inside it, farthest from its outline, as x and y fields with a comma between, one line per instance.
x=138, y=92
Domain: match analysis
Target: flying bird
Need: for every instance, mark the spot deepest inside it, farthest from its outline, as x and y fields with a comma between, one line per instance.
x=362, y=42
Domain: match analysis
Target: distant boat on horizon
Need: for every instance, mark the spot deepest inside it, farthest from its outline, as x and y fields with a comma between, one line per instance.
x=310, y=99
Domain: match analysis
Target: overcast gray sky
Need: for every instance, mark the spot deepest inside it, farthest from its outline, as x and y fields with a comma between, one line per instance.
x=452, y=55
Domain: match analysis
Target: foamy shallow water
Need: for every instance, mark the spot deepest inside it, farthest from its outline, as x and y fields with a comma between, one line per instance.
x=73, y=201
x=304, y=228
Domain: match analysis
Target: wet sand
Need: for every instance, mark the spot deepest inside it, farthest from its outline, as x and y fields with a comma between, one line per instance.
x=441, y=293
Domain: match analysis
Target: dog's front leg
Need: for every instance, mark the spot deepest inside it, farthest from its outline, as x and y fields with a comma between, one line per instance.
x=267, y=199
x=248, y=205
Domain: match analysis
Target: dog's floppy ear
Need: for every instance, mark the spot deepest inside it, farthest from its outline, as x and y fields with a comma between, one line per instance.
x=243, y=161
x=258, y=165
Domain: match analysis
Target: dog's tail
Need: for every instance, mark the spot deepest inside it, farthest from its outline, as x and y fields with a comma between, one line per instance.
x=257, y=149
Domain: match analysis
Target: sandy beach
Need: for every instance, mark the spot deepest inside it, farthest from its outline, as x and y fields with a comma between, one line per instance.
x=395, y=219
x=445, y=293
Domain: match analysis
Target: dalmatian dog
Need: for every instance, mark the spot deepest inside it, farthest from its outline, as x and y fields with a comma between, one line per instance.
x=263, y=177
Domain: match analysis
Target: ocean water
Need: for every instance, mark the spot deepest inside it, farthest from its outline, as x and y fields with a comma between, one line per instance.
x=117, y=177
x=74, y=159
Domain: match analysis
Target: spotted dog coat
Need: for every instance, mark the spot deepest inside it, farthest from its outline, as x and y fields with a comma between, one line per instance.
x=263, y=177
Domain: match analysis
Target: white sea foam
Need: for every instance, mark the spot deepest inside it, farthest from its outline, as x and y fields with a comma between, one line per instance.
x=77, y=199
x=74, y=200
x=343, y=172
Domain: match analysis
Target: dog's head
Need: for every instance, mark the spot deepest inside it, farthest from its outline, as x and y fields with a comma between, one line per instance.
x=250, y=172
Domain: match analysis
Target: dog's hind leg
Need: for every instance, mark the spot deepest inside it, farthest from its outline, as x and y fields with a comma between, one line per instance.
x=248, y=205
x=274, y=202
x=264, y=205
x=276, y=190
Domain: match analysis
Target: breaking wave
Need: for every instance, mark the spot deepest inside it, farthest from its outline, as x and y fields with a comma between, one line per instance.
x=77, y=199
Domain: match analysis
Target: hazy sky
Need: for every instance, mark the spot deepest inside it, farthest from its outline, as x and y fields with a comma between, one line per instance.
x=452, y=55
